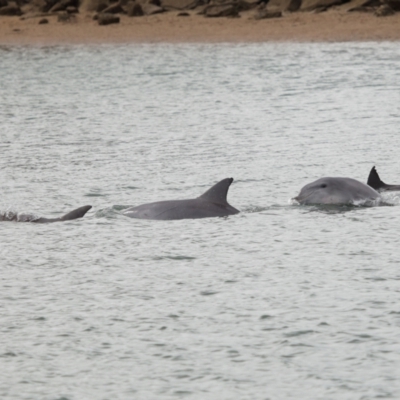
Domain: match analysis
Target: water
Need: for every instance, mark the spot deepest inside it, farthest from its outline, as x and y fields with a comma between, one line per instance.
x=278, y=302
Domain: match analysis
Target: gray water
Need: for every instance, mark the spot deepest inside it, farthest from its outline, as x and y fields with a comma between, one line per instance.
x=278, y=302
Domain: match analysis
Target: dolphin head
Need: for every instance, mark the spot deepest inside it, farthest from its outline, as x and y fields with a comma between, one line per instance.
x=335, y=191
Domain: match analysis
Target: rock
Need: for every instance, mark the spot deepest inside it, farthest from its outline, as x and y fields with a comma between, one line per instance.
x=319, y=10
x=107, y=19
x=43, y=21
x=72, y=10
x=10, y=10
x=134, y=10
x=393, y=4
x=101, y=7
x=226, y=10
x=179, y=4
x=243, y=5
x=183, y=14
x=151, y=9
x=310, y=5
x=94, y=5
x=264, y=14
x=65, y=17
x=383, y=11
x=49, y=5
x=3, y=3
x=201, y=10
x=115, y=8
x=294, y=5
x=362, y=9
x=153, y=2
x=254, y=3
x=35, y=6
x=358, y=5
x=61, y=5
x=284, y=5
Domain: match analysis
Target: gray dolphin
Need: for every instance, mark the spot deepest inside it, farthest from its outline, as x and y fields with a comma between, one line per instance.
x=375, y=182
x=212, y=203
x=340, y=191
x=12, y=216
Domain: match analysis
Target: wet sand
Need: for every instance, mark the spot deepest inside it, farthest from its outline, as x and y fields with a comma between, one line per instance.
x=331, y=26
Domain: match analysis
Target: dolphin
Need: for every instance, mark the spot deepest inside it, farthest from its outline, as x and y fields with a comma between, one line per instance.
x=212, y=203
x=11, y=216
x=338, y=191
x=375, y=182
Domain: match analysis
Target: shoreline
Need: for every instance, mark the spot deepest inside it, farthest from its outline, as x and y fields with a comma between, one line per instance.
x=331, y=26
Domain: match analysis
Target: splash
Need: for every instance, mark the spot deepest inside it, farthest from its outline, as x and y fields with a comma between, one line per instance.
x=14, y=216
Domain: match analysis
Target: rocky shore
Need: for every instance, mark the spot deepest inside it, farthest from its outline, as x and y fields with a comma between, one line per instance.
x=81, y=21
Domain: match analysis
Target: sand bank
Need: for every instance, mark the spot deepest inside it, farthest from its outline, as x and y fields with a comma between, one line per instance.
x=330, y=26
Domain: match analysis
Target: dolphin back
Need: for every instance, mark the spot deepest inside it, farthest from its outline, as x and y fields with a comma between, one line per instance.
x=210, y=204
x=75, y=214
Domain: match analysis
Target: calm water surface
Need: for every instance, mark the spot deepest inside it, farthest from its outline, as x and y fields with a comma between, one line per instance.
x=278, y=302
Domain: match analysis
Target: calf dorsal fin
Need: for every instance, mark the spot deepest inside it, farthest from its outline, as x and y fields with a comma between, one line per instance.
x=374, y=181
x=78, y=213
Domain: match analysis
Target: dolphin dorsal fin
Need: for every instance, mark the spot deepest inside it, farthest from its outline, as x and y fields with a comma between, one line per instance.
x=374, y=181
x=218, y=193
x=78, y=213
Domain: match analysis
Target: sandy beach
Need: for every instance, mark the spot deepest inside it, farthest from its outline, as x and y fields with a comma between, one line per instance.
x=334, y=25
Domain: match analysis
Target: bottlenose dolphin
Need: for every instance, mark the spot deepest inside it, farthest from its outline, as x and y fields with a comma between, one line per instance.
x=375, y=182
x=340, y=191
x=12, y=216
x=212, y=203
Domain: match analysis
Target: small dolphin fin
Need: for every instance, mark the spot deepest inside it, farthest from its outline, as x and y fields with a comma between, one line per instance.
x=78, y=213
x=375, y=182
x=218, y=193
